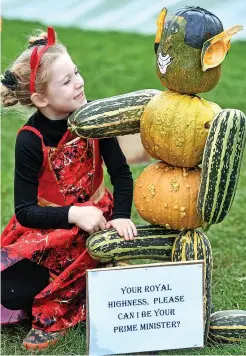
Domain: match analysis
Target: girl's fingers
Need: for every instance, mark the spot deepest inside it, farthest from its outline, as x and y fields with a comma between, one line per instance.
x=125, y=232
x=103, y=220
x=108, y=225
x=120, y=231
x=134, y=229
x=102, y=226
x=130, y=232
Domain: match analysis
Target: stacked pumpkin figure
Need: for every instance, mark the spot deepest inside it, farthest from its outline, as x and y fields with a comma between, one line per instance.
x=198, y=146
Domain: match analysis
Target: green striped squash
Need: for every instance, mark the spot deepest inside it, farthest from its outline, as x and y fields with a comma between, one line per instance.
x=115, y=264
x=228, y=326
x=194, y=245
x=152, y=242
x=221, y=165
x=114, y=116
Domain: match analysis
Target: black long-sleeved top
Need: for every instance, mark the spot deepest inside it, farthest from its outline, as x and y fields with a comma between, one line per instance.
x=28, y=161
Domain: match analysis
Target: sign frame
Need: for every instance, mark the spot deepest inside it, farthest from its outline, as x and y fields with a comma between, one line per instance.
x=136, y=266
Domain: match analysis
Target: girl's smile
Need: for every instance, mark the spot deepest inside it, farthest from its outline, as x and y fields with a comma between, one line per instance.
x=79, y=96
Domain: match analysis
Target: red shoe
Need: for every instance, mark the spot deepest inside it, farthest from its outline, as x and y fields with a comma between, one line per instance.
x=40, y=339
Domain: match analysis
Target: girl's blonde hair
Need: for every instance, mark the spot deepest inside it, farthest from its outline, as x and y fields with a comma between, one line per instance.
x=21, y=70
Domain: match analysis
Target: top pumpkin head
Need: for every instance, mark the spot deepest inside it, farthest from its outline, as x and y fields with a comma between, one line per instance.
x=190, y=46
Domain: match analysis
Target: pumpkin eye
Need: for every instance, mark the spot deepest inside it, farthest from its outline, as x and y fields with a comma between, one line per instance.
x=174, y=28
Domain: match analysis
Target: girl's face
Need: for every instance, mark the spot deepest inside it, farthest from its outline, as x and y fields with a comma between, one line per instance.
x=65, y=89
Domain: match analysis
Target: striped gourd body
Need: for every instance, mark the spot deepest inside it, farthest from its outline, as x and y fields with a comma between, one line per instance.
x=152, y=242
x=228, y=325
x=221, y=165
x=116, y=264
x=194, y=245
x=114, y=116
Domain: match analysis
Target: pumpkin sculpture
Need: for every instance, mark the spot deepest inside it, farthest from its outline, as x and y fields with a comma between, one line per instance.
x=174, y=125
x=182, y=130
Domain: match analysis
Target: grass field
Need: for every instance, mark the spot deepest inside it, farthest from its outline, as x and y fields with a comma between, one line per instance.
x=114, y=63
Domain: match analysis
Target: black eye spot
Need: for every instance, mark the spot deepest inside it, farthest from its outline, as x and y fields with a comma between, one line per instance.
x=156, y=46
x=174, y=28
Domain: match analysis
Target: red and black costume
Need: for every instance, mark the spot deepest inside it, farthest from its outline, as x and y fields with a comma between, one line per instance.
x=55, y=170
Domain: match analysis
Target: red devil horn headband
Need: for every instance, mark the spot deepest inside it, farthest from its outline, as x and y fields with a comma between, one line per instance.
x=37, y=55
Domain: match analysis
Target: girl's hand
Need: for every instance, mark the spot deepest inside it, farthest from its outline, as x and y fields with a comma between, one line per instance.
x=87, y=218
x=124, y=227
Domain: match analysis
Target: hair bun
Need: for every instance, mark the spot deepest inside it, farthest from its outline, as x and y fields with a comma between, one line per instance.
x=38, y=40
x=9, y=80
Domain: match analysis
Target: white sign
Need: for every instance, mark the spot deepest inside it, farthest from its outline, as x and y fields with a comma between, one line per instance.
x=144, y=308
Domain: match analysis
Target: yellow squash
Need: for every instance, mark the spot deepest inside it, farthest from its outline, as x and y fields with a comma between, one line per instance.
x=174, y=127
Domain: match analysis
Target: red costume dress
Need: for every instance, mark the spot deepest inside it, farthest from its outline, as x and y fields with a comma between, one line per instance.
x=69, y=171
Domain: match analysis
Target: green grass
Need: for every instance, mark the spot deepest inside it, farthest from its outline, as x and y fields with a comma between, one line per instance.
x=114, y=63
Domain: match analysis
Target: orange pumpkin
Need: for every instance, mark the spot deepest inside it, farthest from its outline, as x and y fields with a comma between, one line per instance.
x=167, y=195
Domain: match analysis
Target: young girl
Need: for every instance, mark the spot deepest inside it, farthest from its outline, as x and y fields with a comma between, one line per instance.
x=60, y=197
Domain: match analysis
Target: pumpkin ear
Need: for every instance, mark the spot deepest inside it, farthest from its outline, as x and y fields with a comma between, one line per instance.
x=160, y=23
x=215, y=49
